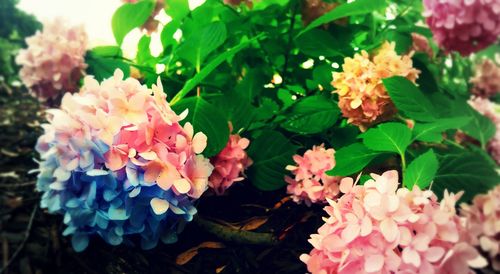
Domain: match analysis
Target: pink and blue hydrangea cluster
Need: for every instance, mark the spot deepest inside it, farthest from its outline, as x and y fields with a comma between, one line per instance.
x=116, y=162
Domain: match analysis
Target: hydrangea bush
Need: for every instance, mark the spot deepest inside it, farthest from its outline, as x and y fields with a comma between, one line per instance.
x=316, y=93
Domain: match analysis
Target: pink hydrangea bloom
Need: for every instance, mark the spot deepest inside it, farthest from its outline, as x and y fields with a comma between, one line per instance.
x=421, y=44
x=486, y=79
x=489, y=109
x=483, y=224
x=311, y=183
x=229, y=164
x=465, y=26
x=378, y=228
x=54, y=61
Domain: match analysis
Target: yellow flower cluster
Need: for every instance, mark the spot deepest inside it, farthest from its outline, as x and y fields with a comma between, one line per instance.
x=363, y=98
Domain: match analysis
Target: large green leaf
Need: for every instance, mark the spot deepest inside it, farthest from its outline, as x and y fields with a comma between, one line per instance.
x=103, y=61
x=351, y=159
x=206, y=118
x=317, y=43
x=389, y=137
x=236, y=109
x=271, y=152
x=409, y=99
x=193, y=82
x=480, y=127
x=468, y=171
x=312, y=114
x=252, y=83
x=202, y=42
x=130, y=16
x=433, y=132
x=421, y=170
x=177, y=9
x=357, y=7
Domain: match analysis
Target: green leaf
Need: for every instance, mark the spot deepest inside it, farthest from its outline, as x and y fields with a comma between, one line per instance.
x=130, y=16
x=193, y=82
x=352, y=159
x=312, y=114
x=206, y=118
x=433, y=132
x=409, y=99
x=236, y=109
x=177, y=9
x=317, y=43
x=107, y=51
x=168, y=31
x=389, y=137
x=468, y=171
x=252, y=83
x=271, y=152
x=103, y=67
x=202, y=42
x=402, y=40
x=480, y=127
x=358, y=7
x=421, y=171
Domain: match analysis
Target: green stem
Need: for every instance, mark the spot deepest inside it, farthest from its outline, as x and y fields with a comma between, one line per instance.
x=234, y=235
x=403, y=163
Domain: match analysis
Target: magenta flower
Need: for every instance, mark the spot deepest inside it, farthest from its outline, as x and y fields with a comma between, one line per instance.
x=311, y=183
x=229, y=164
x=465, y=26
x=378, y=228
x=54, y=61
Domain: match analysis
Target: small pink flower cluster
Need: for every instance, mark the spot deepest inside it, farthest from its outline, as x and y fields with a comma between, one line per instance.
x=229, y=164
x=421, y=44
x=363, y=98
x=465, y=26
x=54, y=61
x=483, y=224
x=488, y=109
x=486, y=79
x=378, y=228
x=311, y=183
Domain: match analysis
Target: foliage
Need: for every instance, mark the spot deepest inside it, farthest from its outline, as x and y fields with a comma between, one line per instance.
x=269, y=75
x=15, y=26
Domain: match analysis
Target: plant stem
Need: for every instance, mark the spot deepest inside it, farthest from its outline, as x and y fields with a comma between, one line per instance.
x=235, y=235
x=290, y=37
x=403, y=162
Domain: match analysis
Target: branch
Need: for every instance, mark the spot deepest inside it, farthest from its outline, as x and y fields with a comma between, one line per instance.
x=23, y=243
x=235, y=235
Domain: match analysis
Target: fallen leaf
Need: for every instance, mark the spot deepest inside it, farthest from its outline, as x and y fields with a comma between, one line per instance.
x=281, y=202
x=219, y=269
x=189, y=254
x=254, y=223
